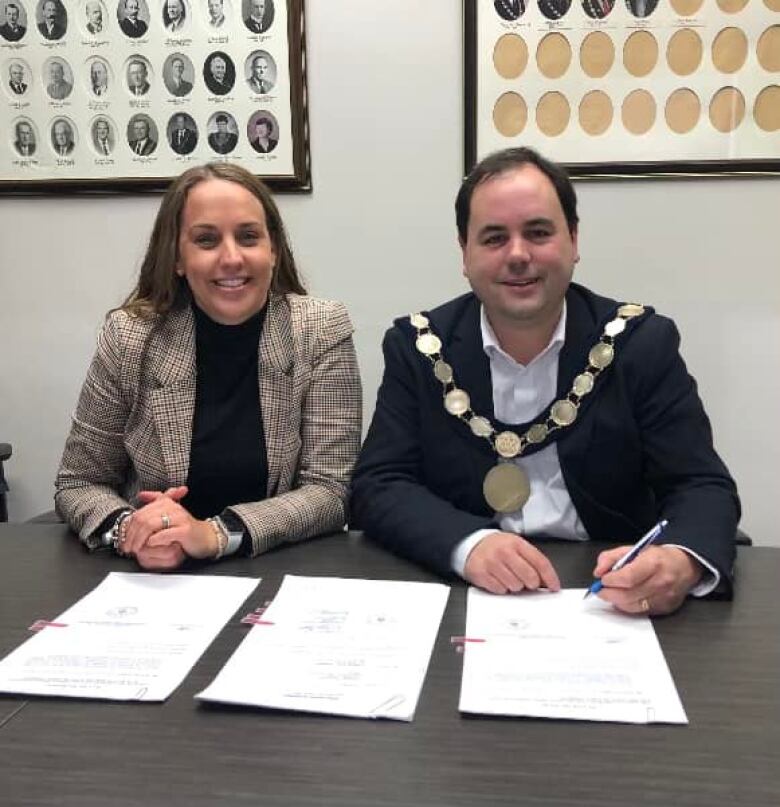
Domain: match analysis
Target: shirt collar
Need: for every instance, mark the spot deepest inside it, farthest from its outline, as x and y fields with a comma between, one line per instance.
x=493, y=349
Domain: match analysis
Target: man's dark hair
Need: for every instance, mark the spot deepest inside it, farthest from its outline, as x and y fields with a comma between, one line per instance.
x=509, y=160
x=221, y=119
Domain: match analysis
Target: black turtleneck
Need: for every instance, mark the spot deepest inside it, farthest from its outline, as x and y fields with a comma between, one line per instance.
x=228, y=462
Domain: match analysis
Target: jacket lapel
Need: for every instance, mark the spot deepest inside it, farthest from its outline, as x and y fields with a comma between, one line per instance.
x=274, y=375
x=172, y=398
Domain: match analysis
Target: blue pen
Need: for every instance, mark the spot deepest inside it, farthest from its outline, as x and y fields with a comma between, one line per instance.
x=641, y=544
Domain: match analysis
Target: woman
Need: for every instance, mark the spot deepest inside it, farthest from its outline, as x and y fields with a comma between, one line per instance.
x=172, y=452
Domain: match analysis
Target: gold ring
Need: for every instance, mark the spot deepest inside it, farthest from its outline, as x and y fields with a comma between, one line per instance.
x=644, y=604
x=166, y=522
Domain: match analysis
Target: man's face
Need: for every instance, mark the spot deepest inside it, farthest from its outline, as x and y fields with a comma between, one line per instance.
x=140, y=129
x=222, y=126
x=174, y=9
x=61, y=133
x=99, y=74
x=101, y=130
x=215, y=9
x=179, y=122
x=260, y=67
x=258, y=8
x=131, y=9
x=218, y=68
x=17, y=73
x=519, y=255
x=261, y=130
x=136, y=74
x=56, y=72
x=12, y=15
x=95, y=14
x=177, y=68
x=49, y=11
x=24, y=133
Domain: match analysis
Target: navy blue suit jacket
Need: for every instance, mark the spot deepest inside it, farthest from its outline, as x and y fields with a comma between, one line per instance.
x=641, y=448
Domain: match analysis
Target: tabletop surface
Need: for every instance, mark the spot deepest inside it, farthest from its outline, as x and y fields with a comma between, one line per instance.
x=724, y=657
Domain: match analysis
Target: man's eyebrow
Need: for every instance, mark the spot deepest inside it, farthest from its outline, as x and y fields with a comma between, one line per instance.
x=540, y=221
x=491, y=228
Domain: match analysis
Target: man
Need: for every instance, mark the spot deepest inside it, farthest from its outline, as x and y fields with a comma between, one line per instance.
x=25, y=139
x=55, y=20
x=58, y=87
x=509, y=9
x=11, y=30
x=98, y=76
x=261, y=15
x=597, y=9
x=216, y=13
x=219, y=79
x=62, y=138
x=222, y=141
x=550, y=390
x=102, y=137
x=184, y=138
x=261, y=79
x=642, y=8
x=554, y=9
x=94, y=17
x=130, y=23
x=174, y=16
x=142, y=144
x=137, y=77
x=262, y=142
x=178, y=85
x=16, y=78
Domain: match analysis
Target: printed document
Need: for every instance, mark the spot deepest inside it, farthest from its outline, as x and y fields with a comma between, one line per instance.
x=338, y=646
x=133, y=637
x=556, y=655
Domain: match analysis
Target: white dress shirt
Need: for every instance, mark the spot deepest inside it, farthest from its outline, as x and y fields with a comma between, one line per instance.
x=521, y=393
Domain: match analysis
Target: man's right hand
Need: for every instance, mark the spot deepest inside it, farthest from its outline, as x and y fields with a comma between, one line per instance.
x=503, y=562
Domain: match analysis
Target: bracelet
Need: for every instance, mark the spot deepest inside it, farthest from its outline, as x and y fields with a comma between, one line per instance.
x=118, y=532
x=221, y=535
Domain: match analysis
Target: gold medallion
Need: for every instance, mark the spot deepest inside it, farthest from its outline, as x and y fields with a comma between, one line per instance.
x=564, y=413
x=601, y=355
x=456, y=402
x=631, y=310
x=480, y=426
x=506, y=487
x=419, y=320
x=428, y=343
x=615, y=327
x=537, y=433
x=583, y=384
x=442, y=371
x=507, y=444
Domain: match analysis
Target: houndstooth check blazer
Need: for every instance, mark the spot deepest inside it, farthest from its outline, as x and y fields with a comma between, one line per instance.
x=132, y=427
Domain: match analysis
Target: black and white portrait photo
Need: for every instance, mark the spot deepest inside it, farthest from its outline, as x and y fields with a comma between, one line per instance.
x=258, y=15
x=138, y=76
x=216, y=10
x=260, y=70
x=96, y=17
x=222, y=133
x=25, y=140
x=103, y=136
x=142, y=135
x=63, y=137
x=641, y=8
x=263, y=132
x=178, y=75
x=18, y=72
x=174, y=16
x=554, y=9
x=182, y=133
x=133, y=18
x=59, y=79
x=52, y=19
x=99, y=76
x=219, y=73
x=14, y=21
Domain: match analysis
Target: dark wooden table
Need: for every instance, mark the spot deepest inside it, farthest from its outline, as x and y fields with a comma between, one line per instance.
x=724, y=656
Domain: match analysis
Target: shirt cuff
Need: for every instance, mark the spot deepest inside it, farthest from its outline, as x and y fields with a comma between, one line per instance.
x=462, y=551
x=710, y=578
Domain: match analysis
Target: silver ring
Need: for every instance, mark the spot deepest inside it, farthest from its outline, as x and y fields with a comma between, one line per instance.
x=166, y=522
x=644, y=604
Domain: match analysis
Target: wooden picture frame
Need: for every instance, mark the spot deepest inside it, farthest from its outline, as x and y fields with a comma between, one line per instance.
x=123, y=95
x=626, y=88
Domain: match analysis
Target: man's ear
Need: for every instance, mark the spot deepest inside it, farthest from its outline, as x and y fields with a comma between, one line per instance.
x=575, y=244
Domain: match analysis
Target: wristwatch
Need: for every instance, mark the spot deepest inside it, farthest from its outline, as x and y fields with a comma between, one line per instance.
x=234, y=529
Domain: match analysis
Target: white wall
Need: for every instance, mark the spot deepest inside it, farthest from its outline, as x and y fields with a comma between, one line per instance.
x=378, y=232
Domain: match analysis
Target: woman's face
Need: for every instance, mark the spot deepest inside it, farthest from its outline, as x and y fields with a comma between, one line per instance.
x=225, y=251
